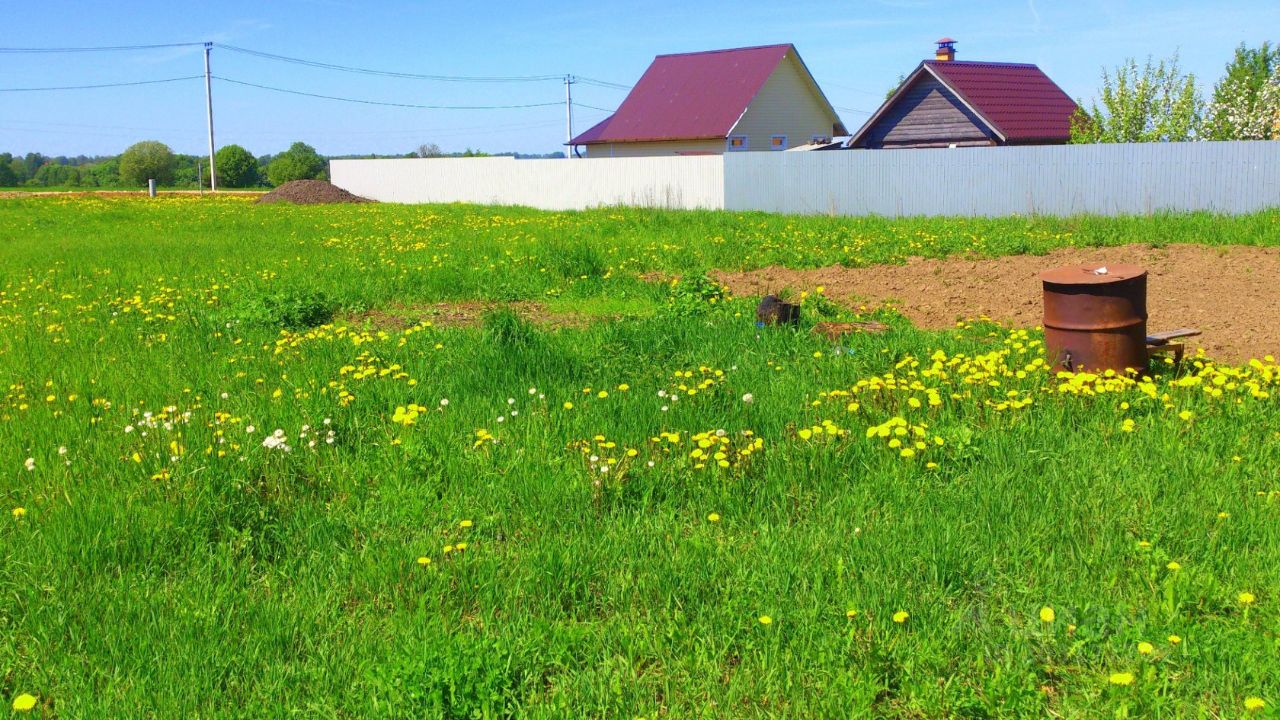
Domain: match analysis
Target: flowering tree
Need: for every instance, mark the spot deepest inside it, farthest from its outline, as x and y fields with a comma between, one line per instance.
x=1152, y=103
x=1246, y=101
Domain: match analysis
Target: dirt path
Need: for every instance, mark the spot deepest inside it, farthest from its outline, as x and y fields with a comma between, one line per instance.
x=1231, y=293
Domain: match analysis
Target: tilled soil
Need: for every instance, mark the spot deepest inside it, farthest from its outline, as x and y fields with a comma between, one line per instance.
x=310, y=192
x=1232, y=293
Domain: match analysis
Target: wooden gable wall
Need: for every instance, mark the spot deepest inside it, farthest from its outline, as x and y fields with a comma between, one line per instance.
x=927, y=115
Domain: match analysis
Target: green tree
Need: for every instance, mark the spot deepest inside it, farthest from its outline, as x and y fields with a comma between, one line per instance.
x=1246, y=101
x=299, y=162
x=8, y=178
x=103, y=174
x=1152, y=103
x=55, y=175
x=237, y=167
x=146, y=160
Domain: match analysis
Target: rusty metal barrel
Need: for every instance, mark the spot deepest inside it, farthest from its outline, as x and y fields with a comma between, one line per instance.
x=1095, y=318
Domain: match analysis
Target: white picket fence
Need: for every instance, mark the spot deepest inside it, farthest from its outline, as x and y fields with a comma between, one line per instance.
x=1227, y=177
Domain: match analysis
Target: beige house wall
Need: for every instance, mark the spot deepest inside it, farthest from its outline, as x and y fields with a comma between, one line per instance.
x=788, y=104
x=653, y=149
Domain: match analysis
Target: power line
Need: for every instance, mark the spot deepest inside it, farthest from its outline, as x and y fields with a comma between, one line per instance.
x=104, y=48
x=388, y=104
x=592, y=107
x=388, y=73
x=104, y=85
x=602, y=83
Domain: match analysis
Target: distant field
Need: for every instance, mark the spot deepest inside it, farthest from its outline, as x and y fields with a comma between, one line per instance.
x=451, y=461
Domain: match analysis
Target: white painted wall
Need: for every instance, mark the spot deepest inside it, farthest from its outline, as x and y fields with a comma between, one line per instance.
x=665, y=182
x=1227, y=177
x=1110, y=179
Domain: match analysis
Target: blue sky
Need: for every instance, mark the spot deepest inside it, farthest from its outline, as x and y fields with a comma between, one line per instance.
x=856, y=50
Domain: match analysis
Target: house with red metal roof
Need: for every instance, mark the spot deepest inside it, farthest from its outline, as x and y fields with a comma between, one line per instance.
x=708, y=103
x=950, y=103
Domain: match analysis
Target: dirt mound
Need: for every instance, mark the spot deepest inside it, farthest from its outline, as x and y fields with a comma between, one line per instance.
x=310, y=192
x=1230, y=293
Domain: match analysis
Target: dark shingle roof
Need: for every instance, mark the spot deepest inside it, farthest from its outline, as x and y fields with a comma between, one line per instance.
x=1020, y=101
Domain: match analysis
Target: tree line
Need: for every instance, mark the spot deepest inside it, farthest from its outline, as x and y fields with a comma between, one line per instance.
x=151, y=159
x=236, y=167
x=1157, y=102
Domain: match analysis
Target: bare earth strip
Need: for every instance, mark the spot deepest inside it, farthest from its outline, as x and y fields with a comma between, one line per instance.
x=1230, y=293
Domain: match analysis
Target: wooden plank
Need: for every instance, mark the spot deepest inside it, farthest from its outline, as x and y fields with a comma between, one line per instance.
x=1161, y=338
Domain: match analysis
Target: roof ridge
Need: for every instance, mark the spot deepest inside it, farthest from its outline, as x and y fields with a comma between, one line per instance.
x=726, y=50
x=936, y=63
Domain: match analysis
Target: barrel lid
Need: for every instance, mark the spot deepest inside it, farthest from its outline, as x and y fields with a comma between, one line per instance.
x=1091, y=274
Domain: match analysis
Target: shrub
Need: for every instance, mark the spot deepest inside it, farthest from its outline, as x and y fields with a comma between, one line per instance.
x=237, y=167
x=299, y=162
x=149, y=159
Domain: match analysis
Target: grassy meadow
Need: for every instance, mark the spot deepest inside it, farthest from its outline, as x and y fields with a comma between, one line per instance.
x=250, y=468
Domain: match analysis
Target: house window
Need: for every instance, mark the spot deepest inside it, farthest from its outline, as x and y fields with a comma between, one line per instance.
x=819, y=139
x=737, y=142
x=777, y=142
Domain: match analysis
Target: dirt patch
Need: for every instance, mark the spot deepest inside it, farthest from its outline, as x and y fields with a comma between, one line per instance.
x=1230, y=293
x=310, y=192
x=463, y=314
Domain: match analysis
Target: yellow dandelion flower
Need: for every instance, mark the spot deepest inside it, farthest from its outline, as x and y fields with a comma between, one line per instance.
x=448, y=549
x=25, y=702
x=1246, y=598
x=1186, y=415
x=851, y=614
x=713, y=517
x=1145, y=648
x=19, y=513
x=1121, y=678
x=1252, y=704
x=901, y=616
x=1174, y=639
x=568, y=405
x=602, y=394
x=1173, y=566
x=1047, y=615
x=805, y=433
x=464, y=524
x=424, y=561
x=765, y=620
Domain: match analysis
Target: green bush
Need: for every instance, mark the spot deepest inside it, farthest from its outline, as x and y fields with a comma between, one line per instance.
x=299, y=162
x=237, y=167
x=149, y=159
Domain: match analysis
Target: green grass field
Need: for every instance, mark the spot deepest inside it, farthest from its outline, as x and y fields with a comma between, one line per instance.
x=247, y=472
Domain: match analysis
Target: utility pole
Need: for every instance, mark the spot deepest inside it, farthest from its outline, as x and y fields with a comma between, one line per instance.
x=568, y=117
x=208, y=103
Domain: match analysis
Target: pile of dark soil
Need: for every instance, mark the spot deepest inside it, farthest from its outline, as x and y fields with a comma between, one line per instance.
x=310, y=192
